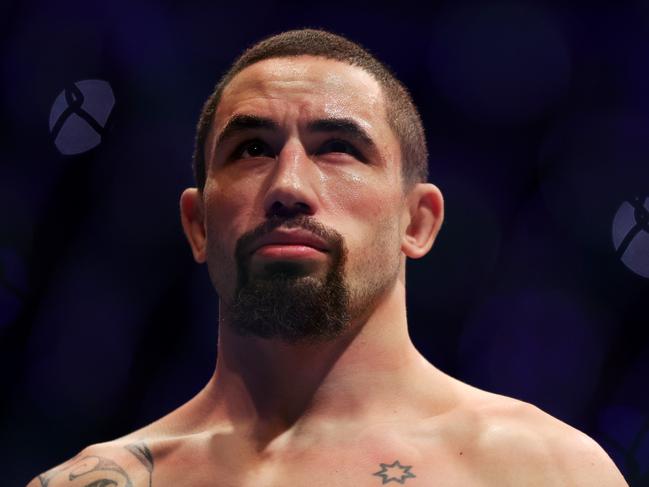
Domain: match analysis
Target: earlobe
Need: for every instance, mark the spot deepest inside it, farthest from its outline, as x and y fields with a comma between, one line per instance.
x=426, y=213
x=192, y=218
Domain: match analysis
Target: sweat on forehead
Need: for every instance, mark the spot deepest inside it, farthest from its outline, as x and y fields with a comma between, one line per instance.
x=321, y=88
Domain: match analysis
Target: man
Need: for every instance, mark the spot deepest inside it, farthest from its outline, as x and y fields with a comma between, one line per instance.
x=311, y=169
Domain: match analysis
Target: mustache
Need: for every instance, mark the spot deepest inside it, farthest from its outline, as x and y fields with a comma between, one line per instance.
x=333, y=239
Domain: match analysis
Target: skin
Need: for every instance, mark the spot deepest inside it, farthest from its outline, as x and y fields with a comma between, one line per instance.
x=343, y=194
x=364, y=408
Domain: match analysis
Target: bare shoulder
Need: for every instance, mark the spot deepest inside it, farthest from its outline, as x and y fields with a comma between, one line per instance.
x=119, y=463
x=134, y=459
x=523, y=444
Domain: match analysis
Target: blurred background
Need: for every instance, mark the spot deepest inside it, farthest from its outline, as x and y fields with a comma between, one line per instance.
x=537, y=117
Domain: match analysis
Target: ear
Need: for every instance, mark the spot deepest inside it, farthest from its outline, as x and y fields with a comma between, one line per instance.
x=425, y=212
x=192, y=217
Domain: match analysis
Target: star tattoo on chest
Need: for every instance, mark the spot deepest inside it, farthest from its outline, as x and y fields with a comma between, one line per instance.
x=394, y=472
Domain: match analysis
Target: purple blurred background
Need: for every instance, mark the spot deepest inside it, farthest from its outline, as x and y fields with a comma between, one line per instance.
x=537, y=117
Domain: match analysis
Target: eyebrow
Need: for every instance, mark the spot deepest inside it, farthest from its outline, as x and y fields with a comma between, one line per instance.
x=347, y=126
x=241, y=123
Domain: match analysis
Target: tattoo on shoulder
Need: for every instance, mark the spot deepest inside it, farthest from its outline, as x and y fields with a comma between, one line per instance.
x=97, y=471
x=394, y=472
x=144, y=455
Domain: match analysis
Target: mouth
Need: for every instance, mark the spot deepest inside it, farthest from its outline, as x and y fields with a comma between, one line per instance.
x=288, y=251
x=289, y=242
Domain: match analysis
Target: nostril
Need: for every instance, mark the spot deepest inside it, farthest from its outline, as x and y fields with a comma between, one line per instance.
x=282, y=210
x=302, y=206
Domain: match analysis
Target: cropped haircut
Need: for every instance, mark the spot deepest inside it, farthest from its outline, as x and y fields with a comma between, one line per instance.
x=402, y=115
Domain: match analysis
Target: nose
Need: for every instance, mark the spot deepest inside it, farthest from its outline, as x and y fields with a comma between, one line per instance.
x=291, y=189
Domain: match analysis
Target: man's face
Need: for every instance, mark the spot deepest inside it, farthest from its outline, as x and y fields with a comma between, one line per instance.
x=302, y=142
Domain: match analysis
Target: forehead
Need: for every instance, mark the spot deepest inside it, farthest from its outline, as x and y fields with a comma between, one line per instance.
x=308, y=86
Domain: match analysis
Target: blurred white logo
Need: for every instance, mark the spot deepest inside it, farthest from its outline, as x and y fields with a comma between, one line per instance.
x=79, y=115
x=631, y=235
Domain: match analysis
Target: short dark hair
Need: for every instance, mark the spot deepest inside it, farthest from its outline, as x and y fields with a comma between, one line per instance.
x=402, y=115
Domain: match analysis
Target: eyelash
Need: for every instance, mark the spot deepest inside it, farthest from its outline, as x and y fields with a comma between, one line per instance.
x=241, y=148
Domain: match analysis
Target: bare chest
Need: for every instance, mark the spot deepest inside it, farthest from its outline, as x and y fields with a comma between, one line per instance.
x=368, y=462
x=363, y=468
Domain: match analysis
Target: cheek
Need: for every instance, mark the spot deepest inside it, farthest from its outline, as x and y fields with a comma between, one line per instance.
x=225, y=222
x=227, y=214
x=367, y=212
x=356, y=196
x=225, y=210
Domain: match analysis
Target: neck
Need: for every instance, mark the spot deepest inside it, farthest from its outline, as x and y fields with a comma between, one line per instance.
x=373, y=371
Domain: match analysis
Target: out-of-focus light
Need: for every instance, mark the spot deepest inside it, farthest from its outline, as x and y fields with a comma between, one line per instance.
x=539, y=345
x=83, y=340
x=631, y=235
x=79, y=115
x=13, y=283
x=589, y=163
x=502, y=63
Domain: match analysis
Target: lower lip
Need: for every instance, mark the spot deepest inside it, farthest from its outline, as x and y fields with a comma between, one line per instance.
x=287, y=251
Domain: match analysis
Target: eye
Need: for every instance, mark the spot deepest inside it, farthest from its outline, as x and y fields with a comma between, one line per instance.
x=252, y=148
x=342, y=146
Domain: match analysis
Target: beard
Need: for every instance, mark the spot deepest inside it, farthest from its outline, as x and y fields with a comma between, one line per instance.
x=286, y=301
